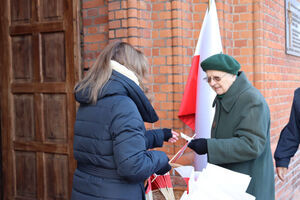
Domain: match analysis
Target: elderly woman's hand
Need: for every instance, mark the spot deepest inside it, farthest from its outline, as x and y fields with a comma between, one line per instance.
x=199, y=145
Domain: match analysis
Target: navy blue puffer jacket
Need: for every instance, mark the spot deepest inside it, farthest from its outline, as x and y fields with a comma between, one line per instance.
x=111, y=142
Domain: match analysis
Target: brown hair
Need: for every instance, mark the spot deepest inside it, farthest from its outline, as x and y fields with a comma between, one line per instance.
x=100, y=72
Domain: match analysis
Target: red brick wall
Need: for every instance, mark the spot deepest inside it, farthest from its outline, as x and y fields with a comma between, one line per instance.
x=253, y=31
x=94, y=34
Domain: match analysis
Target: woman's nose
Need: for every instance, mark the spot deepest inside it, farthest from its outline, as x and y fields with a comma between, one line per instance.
x=212, y=82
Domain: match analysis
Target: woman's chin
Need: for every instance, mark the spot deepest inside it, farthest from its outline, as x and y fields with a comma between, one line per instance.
x=219, y=91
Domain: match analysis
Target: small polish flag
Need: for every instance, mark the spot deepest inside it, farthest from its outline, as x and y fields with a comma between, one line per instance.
x=185, y=172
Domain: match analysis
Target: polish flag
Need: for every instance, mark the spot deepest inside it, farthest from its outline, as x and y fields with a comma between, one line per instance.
x=148, y=192
x=196, y=109
x=185, y=172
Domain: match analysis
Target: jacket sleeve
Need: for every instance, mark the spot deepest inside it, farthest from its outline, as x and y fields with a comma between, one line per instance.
x=290, y=136
x=133, y=161
x=154, y=138
x=249, y=137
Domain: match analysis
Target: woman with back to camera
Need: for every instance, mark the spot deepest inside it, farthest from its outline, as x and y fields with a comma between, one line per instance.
x=110, y=139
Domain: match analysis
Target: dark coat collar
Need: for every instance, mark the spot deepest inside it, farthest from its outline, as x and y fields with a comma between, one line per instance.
x=236, y=89
x=118, y=84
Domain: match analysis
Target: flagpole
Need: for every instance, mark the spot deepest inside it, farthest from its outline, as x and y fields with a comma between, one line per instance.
x=208, y=5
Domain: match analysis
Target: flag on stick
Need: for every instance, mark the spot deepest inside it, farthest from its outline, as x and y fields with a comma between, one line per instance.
x=164, y=184
x=196, y=107
x=148, y=192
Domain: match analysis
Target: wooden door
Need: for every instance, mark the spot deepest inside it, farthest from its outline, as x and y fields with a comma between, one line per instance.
x=38, y=70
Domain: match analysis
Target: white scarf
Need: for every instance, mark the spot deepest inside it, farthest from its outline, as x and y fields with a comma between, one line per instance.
x=124, y=70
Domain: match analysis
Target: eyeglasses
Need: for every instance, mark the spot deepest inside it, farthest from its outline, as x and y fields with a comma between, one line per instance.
x=215, y=78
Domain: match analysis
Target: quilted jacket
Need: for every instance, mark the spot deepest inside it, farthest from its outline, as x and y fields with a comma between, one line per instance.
x=111, y=143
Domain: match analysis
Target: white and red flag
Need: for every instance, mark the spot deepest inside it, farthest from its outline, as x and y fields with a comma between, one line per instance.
x=164, y=184
x=196, y=109
x=185, y=172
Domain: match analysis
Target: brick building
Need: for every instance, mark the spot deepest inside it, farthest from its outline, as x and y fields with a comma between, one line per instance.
x=36, y=84
x=252, y=31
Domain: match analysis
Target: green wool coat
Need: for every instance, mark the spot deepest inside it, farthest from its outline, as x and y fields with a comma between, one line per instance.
x=240, y=137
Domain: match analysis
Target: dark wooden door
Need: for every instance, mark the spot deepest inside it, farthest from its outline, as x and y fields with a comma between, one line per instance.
x=38, y=70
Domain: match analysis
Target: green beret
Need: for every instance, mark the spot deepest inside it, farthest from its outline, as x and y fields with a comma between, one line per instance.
x=221, y=62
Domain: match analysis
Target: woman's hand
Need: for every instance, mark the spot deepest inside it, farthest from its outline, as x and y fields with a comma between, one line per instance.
x=174, y=137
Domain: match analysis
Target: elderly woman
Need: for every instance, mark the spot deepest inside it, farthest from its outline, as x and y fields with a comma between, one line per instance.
x=110, y=140
x=240, y=134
